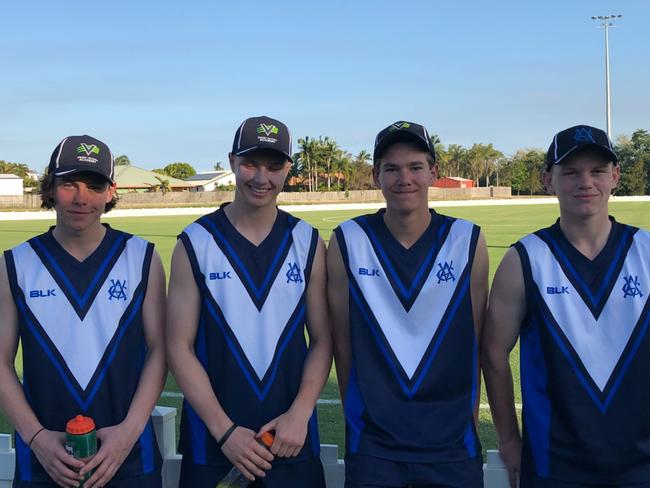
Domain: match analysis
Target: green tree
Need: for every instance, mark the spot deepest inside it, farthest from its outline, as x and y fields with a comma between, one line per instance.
x=632, y=161
x=179, y=170
x=17, y=169
x=122, y=160
x=218, y=166
x=361, y=172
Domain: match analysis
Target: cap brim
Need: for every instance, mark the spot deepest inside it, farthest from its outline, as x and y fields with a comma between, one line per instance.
x=605, y=151
x=81, y=169
x=399, y=136
x=263, y=148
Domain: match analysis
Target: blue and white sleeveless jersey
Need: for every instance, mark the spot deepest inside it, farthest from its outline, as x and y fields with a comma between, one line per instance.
x=585, y=358
x=413, y=379
x=251, y=331
x=81, y=330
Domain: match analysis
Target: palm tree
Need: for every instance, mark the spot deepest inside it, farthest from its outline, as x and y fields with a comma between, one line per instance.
x=306, y=157
x=164, y=186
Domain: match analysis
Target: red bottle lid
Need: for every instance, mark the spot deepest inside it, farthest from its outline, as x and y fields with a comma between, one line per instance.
x=267, y=439
x=80, y=425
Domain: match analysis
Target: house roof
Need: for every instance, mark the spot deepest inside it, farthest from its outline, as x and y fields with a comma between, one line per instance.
x=128, y=176
x=6, y=176
x=456, y=178
x=208, y=176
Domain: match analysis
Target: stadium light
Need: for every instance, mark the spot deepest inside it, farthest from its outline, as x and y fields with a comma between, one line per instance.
x=605, y=24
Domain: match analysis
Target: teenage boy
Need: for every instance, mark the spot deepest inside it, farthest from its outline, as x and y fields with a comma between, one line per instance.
x=575, y=295
x=245, y=281
x=407, y=289
x=87, y=303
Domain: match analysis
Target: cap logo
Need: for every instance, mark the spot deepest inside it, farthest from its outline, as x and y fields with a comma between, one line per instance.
x=583, y=135
x=267, y=129
x=88, y=149
x=399, y=126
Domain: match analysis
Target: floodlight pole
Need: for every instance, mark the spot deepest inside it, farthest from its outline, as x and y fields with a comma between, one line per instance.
x=605, y=23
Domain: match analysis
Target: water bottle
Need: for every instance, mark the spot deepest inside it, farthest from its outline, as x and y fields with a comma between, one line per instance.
x=81, y=439
x=234, y=478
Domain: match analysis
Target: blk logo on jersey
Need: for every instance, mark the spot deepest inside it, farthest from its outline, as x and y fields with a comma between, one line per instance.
x=445, y=272
x=631, y=287
x=368, y=272
x=42, y=293
x=117, y=290
x=293, y=275
x=557, y=290
x=223, y=275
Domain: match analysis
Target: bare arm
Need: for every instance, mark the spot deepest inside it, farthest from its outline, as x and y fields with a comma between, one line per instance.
x=183, y=309
x=505, y=313
x=338, y=295
x=47, y=445
x=117, y=441
x=479, y=292
x=291, y=428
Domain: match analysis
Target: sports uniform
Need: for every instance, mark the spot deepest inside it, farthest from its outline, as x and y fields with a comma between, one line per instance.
x=584, y=347
x=413, y=379
x=81, y=329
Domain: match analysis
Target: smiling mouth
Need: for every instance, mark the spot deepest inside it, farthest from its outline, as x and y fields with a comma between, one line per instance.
x=259, y=191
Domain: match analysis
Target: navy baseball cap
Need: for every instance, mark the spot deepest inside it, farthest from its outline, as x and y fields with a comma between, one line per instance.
x=403, y=131
x=76, y=154
x=262, y=133
x=574, y=139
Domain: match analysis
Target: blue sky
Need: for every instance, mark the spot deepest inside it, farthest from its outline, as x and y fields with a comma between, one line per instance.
x=164, y=81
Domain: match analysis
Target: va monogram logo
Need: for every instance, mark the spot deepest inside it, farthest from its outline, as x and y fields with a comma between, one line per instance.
x=117, y=290
x=583, y=134
x=293, y=275
x=631, y=287
x=445, y=272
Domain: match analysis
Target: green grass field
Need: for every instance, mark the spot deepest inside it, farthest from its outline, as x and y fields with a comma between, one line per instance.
x=502, y=225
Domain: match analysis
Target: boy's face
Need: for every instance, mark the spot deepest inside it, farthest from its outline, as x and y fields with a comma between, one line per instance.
x=80, y=199
x=583, y=184
x=403, y=174
x=259, y=176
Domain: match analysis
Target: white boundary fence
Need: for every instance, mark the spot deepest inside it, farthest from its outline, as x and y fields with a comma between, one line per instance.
x=164, y=423
x=160, y=212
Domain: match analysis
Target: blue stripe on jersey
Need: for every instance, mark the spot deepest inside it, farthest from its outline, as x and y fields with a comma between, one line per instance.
x=421, y=371
x=470, y=438
x=261, y=291
x=407, y=294
x=313, y=428
x=200, y=347
x=537, y=406
x=354, y=408
x=298, y=319
x=585, y=290
x=135, y=309
x=23, y=459
x=146, y=446
x=199, y=435
x=69, y=289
